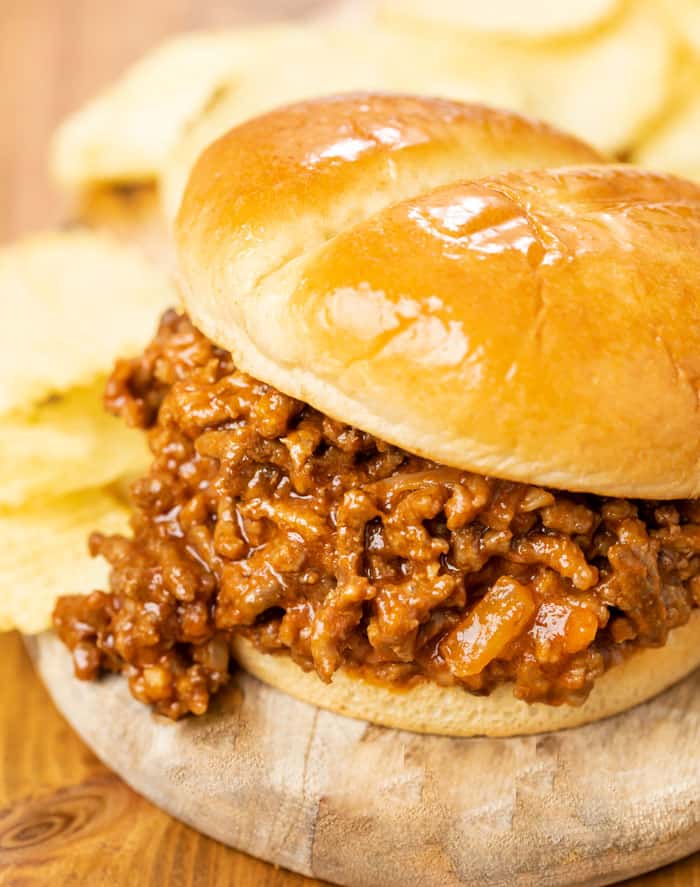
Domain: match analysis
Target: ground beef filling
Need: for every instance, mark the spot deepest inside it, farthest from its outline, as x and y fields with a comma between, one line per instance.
x=262, y=516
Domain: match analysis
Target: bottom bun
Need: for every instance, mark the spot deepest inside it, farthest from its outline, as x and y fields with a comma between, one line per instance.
x=450, y=711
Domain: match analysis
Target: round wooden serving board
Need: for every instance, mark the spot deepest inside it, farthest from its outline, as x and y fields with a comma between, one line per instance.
x=366, y=806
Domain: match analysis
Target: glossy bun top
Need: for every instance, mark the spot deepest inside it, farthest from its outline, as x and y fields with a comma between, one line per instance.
x=443, y=277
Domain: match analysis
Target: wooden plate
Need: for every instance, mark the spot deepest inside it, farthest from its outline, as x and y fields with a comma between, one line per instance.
x=365, y=806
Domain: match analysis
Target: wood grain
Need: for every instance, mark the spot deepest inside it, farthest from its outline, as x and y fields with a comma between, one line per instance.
x=365, y=806
x=45, y=835
x=64, y=817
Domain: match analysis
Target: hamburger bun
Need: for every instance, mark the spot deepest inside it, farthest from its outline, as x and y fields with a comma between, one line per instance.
x=537, y=325
x=450, y=711
x=473, y=287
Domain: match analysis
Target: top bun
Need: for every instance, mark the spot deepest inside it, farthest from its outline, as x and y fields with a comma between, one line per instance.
x=539, y=324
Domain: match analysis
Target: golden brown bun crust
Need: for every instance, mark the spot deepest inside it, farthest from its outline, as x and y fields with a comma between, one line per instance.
x=450, y=711
x=539, y=325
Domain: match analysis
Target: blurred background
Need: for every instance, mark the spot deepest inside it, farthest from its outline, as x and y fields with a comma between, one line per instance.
x=624, y=74
x=56, y=54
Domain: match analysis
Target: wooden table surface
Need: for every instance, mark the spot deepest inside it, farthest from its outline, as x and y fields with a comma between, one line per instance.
x=64, y=818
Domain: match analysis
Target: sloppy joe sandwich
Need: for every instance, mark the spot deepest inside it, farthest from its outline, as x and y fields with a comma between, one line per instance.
x=426, y=442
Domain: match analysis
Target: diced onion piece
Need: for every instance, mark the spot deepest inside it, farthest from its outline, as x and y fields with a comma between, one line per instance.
x=562, y=630
x=500, y=617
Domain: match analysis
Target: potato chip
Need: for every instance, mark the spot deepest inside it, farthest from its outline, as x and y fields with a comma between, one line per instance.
x=609, y=88
x=68, y=443
x=72, y=301
x=132, y=215
x=354, y=59
x=675, y=147
x=604, y=87
x=124, y=134
x=44, y=555
x=684, y=18
x=534, y=19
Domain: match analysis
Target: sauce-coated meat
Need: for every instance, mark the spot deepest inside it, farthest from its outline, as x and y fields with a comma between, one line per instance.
x=263, y=516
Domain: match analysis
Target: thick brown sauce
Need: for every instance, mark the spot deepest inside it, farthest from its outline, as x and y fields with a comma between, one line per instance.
x=260, y=515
